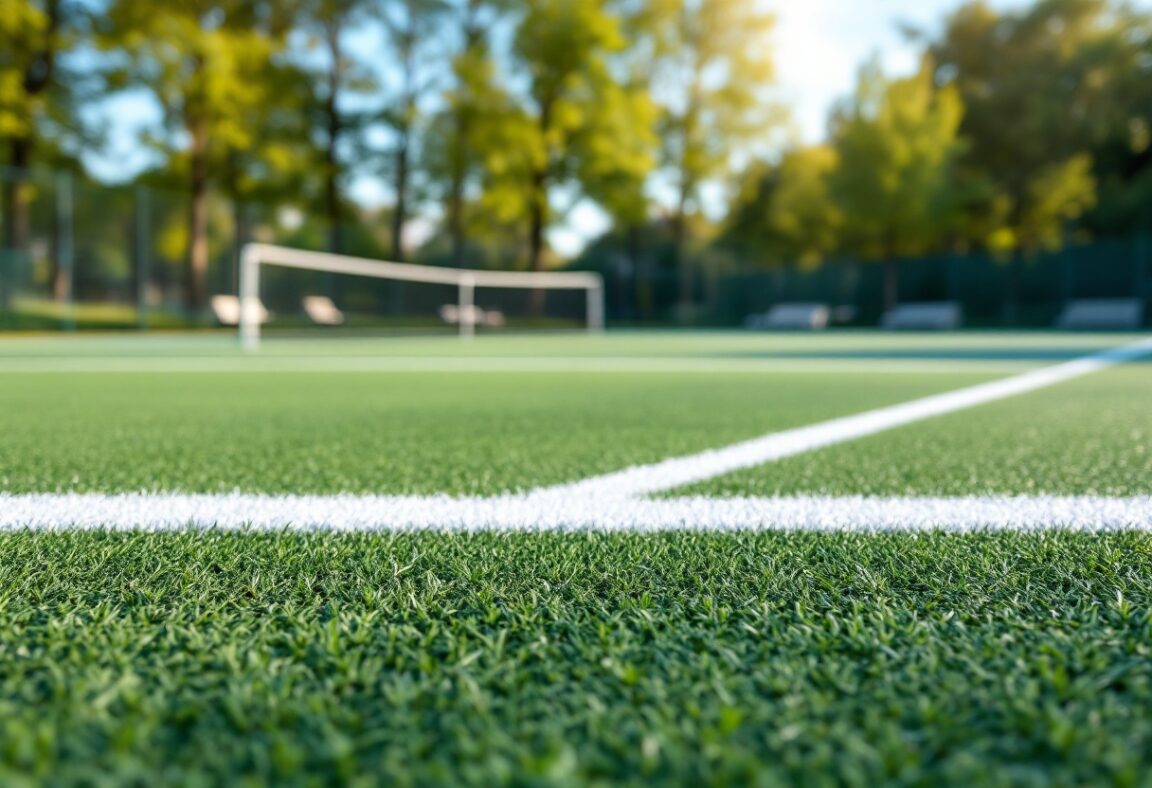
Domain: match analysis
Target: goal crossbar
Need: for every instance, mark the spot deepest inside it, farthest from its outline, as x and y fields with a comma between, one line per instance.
x=465, y=280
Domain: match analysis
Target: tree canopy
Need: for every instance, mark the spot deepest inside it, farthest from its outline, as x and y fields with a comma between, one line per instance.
x=485, y=122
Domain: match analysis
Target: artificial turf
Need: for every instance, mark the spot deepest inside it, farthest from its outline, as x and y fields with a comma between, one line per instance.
x=1091, y=436
x=558, y=659
x=475, y=433
x=209, y=657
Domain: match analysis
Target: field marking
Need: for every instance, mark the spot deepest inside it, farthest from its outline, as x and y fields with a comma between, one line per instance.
x=616, y=501
x=498, y=364
x=678, y=471
x=533, y=512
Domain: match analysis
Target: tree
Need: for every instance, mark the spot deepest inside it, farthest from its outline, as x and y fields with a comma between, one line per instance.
x=561, y=48
x=276, y=164
x=474, y=103
x=616, y=157
x=39, y=101
x=785, y=212
x=203, y=60
x=1122, y=162
x=897, y=142
x=336, y=76
x=410, y=25
x=711, y=87
x=623, y=150
x=1040, y=88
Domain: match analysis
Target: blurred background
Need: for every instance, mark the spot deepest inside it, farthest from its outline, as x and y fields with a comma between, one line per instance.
x=710, y=158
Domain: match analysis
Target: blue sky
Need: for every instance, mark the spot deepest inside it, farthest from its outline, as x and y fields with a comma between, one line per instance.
x=819, y=45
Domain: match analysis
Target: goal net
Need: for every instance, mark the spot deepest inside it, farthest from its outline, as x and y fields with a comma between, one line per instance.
x=291, y=289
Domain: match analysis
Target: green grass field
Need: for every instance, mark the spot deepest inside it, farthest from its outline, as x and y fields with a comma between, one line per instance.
x=475, y=433
x=1088, y=436
x=204, y=656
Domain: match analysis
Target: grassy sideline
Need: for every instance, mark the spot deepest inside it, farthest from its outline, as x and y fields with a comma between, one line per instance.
x=396, y=433
x=209, y=657
x=1091, y=436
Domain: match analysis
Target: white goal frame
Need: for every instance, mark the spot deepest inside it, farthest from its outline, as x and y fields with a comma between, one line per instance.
x=466, y=281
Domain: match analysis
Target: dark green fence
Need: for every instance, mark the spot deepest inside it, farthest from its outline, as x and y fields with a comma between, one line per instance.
x=91, y=254
x=993, y=291
x=1026, y=291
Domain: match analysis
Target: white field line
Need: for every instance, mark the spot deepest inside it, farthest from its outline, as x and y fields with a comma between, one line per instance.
x=616, y=501
x=678, y=471
x=530, y=512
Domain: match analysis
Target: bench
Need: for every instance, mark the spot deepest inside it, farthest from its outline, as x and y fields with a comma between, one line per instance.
x=322, y=311
x=452, y=314
x=227, y=310
x=924, y=316
x=795, y=316
x=1102, y=313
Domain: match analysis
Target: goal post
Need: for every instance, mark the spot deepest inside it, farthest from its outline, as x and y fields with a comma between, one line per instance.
x=466, y=282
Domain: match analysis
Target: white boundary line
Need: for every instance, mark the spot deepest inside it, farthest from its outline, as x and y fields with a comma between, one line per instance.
x=532, y=512
x=616, y=501
x=679, y=471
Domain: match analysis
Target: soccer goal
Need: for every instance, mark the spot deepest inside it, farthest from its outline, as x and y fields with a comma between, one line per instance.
x=331, y=290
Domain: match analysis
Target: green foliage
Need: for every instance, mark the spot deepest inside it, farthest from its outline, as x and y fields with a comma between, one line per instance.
x=208, y=64
x=562, y=48
x=1044, y=88
x=618, y=153
x=42, y=88
x=562, y=659
x=24, y=28
x=897, y=142
x=785, y=212
x=637, y=105
x=410, y=27
x=707, y=120
x=468, y=131
x=203, y=60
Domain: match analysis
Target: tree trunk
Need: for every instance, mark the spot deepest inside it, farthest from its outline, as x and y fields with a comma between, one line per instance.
x=16, y=223
x=334, y=26
x=332, y=207
x=197, y=263
x=35, y=80
x=1012, y=295
x=632, y=254
x=241, y=232
x=399, y=213
x=679, y=259
x=16, y=215
x=456, y=230
x=538, y=206
x=537, y=221
x=891, y=282
x=141, y=245
x=680, y=264
x=61, y=243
